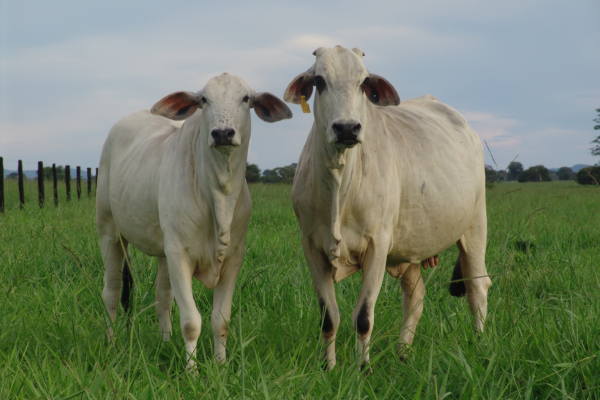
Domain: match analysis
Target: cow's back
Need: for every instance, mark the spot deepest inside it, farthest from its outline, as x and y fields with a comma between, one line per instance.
x=440, y=165
x=129, y=178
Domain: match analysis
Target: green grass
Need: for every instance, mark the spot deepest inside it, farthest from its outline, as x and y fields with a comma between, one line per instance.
x=542, y=338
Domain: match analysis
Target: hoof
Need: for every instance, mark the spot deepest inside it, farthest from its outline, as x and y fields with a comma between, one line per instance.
x=191, y=369
x=367, y=371
x=403, y=351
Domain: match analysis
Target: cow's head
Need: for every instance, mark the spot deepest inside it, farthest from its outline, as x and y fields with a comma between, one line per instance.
x=343, y=86
x=225, y=102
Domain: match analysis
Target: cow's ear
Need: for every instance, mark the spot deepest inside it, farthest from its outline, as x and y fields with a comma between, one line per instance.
x=302, y=85
x=269, y=107
x=380, y=92
x=177, y=106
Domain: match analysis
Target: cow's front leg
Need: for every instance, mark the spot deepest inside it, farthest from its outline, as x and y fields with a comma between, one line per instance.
x=413, y=293
x=363, y=316
x=181, y=272
x=221, y=313
x=322, y=276
x=164, y=298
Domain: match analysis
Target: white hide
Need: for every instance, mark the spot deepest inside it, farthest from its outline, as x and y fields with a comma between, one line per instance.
x=165, y=188
x=412, y=186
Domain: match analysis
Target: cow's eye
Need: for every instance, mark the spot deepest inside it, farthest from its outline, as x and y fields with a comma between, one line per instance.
x=320, y=83
x=203, y=100
x=246, y=98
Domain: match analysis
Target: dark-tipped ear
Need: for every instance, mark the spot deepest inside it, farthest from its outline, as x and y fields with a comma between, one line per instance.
x=177, y=106
x=270, y=108
x=380, y=92
x=302, y=85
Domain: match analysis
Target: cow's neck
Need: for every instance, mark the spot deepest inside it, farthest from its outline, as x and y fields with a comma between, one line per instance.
x=226, y=174
x=333, y=174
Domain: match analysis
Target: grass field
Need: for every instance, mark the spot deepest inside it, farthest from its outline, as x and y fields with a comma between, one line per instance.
x=542, y=338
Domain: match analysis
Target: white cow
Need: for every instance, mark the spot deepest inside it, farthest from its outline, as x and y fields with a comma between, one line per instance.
x=383, y=186
x=178, y=192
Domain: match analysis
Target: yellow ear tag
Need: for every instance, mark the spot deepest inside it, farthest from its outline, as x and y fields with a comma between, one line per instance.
x=304, y=105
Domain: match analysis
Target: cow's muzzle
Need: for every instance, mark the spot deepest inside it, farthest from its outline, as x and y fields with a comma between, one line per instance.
x=346, y=133
x=223, y=137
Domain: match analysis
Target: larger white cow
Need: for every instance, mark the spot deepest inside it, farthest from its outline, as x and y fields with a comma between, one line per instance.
x=383, y=186
x=178, y=192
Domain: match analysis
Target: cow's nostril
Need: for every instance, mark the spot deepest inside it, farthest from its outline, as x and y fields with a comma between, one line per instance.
x=230, y=133
x=338, y=129
x=356, y=129
x=214, y=134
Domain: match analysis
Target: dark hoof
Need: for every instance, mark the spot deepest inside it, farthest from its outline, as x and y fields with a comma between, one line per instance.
x=367, y=371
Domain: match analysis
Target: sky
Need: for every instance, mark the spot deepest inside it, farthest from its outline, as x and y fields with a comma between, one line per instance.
x=525, y=73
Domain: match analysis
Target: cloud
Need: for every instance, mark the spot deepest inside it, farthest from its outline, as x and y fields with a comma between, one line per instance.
x=310, y=42
x=496, y=131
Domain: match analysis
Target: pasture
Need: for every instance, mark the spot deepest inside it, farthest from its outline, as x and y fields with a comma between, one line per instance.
x=542, y=338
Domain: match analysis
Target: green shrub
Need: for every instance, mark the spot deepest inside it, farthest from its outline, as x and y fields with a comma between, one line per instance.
x=537, y=173
x=583, y=176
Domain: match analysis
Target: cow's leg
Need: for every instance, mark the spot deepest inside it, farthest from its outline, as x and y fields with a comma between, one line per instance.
x=413, y=293
x=113, y=248
x=322, y=276
x=181, y=272
x=164, y=298
x=472, y=247
x=221, y=312
x=363, y=315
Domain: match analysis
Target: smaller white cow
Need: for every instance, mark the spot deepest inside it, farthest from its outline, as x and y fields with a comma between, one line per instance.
x=178, y=192
x=382, y=186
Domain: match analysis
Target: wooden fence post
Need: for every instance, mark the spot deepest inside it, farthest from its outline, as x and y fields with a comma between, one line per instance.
x=96, y=179
x=1, y=184
x=41, y=193
x=78, y=183
x=54, y=180
x=68, y=181
x=89, y=182
x=21, y=190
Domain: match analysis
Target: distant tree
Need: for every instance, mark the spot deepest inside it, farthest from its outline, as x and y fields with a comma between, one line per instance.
x=565, y=174
x=279, y=175
x=502, y=175
x=252, y=173
x=514, y=170
x=537, y=173
x=14, y=175
x=60, y=173
x=596, y=149
x=583, y=176
x=491, y=176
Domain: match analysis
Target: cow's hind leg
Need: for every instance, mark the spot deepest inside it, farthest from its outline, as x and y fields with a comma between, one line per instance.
x=114, y=249
x=472, y=247
x=413, y=293
x=322, y=276
x=164, y=298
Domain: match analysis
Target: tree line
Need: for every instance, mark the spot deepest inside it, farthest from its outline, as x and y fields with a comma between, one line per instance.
x=275, y=175
x=539, y=173
x=514, y=172
x=60, y=174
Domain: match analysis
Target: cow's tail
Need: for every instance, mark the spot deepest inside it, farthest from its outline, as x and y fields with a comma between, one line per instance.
x=457, y=285
x=127, y=285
